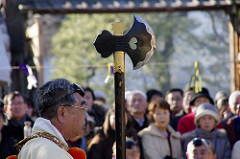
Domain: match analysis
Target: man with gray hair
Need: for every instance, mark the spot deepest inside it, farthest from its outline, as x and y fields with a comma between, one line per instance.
x=234, y=102
x=62, y=117
x=136, y=106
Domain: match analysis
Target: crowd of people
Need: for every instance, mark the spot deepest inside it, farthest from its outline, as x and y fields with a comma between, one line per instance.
x=176, y=125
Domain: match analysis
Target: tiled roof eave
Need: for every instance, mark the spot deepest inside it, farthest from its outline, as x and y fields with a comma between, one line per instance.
x=119, y=10
x=107, y=6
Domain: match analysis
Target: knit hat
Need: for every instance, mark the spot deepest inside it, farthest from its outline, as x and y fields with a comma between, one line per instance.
x=203, y=93
x=206, y=109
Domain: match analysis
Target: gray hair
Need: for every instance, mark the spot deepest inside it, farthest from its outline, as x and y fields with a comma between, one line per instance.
x=233, y=99
x=53, y=94
x=132, y=93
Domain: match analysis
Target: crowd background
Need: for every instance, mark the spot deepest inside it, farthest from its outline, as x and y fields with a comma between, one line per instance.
x=158, y=125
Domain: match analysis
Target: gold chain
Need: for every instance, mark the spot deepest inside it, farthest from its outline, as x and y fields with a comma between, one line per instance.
x=46, y=135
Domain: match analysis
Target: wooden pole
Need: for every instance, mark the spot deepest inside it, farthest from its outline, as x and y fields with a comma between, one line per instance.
x=119, y=69
x=234, y=49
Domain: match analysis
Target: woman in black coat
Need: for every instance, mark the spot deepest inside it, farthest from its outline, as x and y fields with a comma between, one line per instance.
x=100, y=146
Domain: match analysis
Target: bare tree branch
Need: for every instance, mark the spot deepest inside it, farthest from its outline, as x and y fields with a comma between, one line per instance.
x=215, y=29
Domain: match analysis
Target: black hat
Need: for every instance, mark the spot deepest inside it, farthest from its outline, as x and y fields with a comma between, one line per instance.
x=152, y=92
x=203, y=93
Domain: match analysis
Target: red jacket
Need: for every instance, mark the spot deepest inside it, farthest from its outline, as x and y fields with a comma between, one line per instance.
x=187, y=124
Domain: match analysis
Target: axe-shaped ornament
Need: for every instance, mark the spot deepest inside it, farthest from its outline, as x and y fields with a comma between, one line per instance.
x=139, y=43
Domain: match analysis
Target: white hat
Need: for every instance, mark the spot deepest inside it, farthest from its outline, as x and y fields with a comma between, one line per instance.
x=206, y=109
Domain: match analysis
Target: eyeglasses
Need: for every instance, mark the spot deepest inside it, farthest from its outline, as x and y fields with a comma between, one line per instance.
x=85, y=109
x=79, y=106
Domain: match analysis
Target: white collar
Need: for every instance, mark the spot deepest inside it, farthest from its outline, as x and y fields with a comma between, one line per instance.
x=42, y=124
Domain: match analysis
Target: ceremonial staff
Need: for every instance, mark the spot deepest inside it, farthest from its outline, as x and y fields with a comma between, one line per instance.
x=139, y=43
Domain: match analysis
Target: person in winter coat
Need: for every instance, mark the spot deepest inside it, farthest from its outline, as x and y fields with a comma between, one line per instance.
x=186, y=123
x=232, y=123
x=206, y=119
x=136, y=105
x=159, y=140
x=7, y=141
x=101, y=145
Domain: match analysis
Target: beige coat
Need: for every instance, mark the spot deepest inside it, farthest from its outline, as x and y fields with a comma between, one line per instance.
x=156, y=146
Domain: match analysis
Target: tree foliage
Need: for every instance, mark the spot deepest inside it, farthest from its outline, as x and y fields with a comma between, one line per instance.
x=77, y=59
x=75, y=55
x=211, y=47
x=168, y=28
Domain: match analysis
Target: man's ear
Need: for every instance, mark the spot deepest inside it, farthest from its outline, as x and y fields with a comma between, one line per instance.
x=61, y=113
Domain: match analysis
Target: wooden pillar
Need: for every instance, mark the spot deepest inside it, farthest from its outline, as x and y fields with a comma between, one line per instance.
x=234, y=48
x=16, y=28
x=35, y=33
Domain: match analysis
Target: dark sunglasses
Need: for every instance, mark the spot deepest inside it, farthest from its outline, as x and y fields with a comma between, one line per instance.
x=129, y=144
x=76, y=88
x=197, y=141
